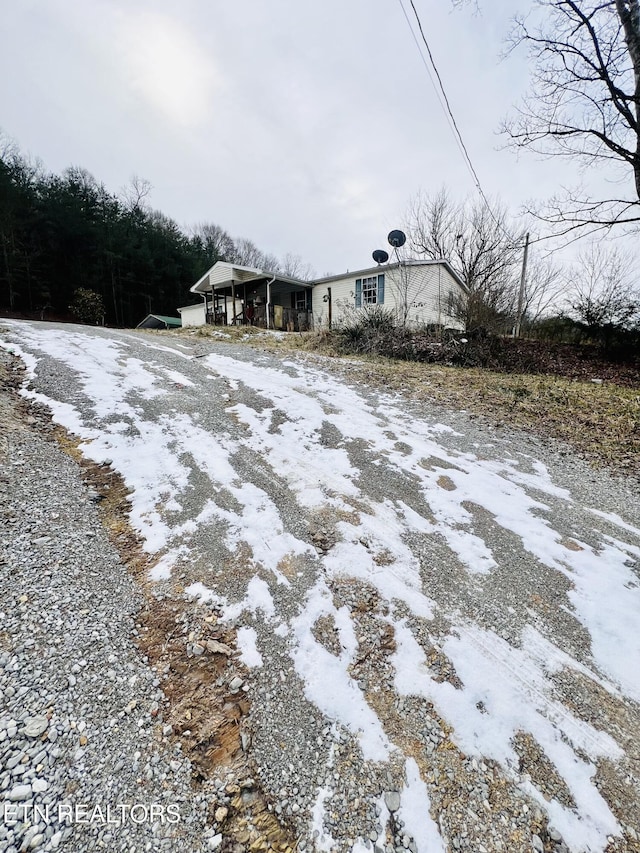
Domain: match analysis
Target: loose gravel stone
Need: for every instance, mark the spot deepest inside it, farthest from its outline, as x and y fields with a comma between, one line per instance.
x=36, y=726
x=68, y=665
x=392, y=800
x=71, y=610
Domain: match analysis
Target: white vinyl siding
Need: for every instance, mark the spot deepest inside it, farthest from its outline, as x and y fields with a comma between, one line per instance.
x=419, y=292
x=192, y=315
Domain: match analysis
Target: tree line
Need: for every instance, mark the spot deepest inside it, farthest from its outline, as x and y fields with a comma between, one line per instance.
x=64, y=233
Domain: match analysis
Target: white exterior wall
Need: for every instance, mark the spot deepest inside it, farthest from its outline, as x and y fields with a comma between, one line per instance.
x=424, y=295
x=342, y=291
x=427, y=288
x=192, y=315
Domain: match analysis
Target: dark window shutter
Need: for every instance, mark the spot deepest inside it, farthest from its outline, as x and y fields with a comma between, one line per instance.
x=358, y=293
x=381, y=289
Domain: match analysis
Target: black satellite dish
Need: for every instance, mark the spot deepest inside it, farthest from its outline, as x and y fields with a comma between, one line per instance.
x=397, y=239
x=380, y=256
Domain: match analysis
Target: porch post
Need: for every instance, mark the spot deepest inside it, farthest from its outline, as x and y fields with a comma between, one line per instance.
x=268, y=305
x=233, y=291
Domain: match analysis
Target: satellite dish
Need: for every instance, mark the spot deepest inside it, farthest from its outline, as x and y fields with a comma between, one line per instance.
x=380, y=256
x=397, y=239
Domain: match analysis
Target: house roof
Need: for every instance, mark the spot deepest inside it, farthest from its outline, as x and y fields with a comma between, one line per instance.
x=193, y=305
x=158, y=321
x=223, y=274
x=382, y=267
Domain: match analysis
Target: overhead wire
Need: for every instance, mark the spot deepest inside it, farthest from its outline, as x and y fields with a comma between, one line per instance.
x=441, y=95
x=446, y=107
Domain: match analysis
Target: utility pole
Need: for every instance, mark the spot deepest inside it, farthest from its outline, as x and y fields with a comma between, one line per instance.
x=523, y=278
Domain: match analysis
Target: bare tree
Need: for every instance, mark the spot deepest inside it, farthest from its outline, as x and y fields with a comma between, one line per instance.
x=220, y=246
x=269, y=262
x=246, y=253
x=133, y=195
x=217, y=242
x=399, y=283
x=602, y=294
x=544, y=290
x=294, y=267
x=477, y=243
x=584, y=102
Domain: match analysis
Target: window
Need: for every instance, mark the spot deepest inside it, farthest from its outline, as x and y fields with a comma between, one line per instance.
x=300, y=300
x=370, y=290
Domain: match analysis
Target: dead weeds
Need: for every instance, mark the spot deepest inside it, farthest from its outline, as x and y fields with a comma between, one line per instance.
x=591, y=405
x=601, y=421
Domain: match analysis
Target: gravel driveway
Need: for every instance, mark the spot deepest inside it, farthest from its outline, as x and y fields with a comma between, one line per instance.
x=330, y=618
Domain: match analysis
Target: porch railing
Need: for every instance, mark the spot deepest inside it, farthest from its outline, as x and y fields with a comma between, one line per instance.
x=287, y=319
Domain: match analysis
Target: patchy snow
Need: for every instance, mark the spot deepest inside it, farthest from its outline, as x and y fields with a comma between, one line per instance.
x=202, y=593
x=614, y=518
x=323, y=839
x=506, y=691
x=257, y=600
x=30, y=361
x=162, y=348
x=318, y=668
x=414, y=811
x=178, y=378
x=506, y=687
x=248, y=645
x=162, y=569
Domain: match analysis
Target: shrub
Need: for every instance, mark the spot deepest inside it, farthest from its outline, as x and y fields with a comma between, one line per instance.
x=87, y=306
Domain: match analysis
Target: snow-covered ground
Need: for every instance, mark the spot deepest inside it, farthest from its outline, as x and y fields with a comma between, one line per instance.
x=490, y=510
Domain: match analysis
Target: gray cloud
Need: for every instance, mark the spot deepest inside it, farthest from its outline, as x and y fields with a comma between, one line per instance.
x=305, y=127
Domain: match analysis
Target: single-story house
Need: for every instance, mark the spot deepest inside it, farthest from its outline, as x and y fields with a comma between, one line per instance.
x=418, y=293
x=236, y=295
x=157, y=321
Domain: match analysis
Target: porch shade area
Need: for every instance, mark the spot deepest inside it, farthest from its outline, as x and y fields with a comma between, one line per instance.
x=246, y=296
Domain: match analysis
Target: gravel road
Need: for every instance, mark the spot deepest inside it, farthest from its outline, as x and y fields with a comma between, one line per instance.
x=268, y=609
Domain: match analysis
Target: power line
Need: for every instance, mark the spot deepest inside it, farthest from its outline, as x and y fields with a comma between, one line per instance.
x=446, y=106
x=440, y=94
x=445, y=99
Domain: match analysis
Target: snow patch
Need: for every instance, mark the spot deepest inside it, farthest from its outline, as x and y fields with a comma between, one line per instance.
x=247, y=643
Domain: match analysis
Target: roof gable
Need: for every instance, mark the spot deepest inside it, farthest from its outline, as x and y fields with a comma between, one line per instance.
x=223, y=273
x=158, y=321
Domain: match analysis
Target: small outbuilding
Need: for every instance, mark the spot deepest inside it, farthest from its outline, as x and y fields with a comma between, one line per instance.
x=192, y=315
x=157, y=321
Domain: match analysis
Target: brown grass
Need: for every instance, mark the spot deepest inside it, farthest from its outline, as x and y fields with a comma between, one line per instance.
x=599, y=420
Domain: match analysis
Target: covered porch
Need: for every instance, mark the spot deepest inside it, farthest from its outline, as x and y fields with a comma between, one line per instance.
x=235, y=295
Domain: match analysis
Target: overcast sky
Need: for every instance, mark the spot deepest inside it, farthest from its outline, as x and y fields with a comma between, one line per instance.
x=306, y=127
